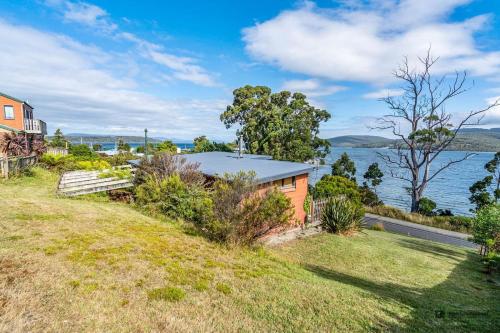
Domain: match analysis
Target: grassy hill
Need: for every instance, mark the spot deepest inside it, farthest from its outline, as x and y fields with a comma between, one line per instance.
x=470, y=139
x=87, y=265
x=361, y=141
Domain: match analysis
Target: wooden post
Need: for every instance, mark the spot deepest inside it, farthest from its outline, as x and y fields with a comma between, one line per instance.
x=6, y=166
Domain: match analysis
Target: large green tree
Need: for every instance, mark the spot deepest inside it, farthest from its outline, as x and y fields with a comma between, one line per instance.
x=487, y=191
x=202, y=144
x=283, y=125
x=58, y=140
x=344, y=167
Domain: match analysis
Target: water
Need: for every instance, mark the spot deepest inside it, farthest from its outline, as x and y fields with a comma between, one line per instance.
x=133, y=145
x=450, y=189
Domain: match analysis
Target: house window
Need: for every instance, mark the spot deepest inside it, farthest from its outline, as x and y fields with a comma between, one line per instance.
x=288, y=183
x=8, y=111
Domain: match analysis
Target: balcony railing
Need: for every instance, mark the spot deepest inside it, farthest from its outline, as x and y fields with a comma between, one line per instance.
x=35, y=126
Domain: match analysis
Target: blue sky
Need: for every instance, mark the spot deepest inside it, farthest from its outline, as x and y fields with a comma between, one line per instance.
x=116, y=67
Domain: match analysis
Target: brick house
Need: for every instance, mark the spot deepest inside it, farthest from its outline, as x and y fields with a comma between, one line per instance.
x=17, y=116
x=290, y=177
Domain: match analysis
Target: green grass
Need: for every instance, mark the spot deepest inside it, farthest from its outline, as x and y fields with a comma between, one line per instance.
x=453, y=223
x=91, y=265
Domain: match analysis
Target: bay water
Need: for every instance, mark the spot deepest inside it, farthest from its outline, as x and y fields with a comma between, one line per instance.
x=450, y=189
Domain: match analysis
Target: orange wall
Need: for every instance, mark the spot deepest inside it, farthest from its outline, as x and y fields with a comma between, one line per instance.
x=17, y=122
x=297, y=196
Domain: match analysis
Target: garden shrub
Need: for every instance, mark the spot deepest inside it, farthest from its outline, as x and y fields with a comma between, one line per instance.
x=59, y=163
x=486, y=228
x=331, y=186
x=341, y=215
x=120, y=158
x=82, y=152
x=174, y=198
x=93, y=165
x=369, y=197
x=164, y=165
x=426, y=207
x=241, y=213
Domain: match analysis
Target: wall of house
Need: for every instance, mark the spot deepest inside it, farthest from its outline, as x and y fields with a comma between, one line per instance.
x=297, y=194
x=17, y=122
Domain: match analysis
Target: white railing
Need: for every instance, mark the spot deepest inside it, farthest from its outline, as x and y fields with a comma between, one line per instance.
x=35, y=126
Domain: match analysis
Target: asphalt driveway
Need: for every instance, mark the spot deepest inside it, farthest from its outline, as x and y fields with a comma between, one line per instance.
x=420, y=231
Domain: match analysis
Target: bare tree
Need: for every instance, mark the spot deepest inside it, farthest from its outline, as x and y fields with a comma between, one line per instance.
x=419, y=120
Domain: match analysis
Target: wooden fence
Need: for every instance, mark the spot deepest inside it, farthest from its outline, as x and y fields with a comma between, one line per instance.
x=317, y=207
x=14, y=165
x=57, y=151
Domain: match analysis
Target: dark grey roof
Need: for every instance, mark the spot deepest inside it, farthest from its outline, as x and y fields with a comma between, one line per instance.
x=265, y=168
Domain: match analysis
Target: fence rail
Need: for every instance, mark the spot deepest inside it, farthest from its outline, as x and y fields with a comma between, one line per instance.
x=14, y=165
x=317, y=207
x=57, y=151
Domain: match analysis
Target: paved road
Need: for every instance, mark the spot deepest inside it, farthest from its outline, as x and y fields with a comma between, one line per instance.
x=420, y=231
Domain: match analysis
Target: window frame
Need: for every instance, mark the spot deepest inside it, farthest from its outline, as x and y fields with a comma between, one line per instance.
x=293, y=185
x=5, y=112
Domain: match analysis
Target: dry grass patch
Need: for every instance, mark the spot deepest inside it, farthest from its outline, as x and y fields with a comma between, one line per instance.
x=86, y=265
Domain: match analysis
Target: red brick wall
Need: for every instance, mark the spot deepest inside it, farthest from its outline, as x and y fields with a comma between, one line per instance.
x=18, y=121
x=297, y=196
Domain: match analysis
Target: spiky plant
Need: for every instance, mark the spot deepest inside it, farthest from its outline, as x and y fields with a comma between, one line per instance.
x=12, y=144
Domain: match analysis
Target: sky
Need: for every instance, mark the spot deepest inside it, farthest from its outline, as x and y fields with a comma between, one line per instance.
x=117, y=67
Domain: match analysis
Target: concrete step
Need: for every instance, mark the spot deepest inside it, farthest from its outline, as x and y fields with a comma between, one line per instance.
x=83, y=182
x=105, y=184
x=98, y=189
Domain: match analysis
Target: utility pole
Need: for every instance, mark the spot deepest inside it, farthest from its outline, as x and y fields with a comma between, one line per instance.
x=146, y=142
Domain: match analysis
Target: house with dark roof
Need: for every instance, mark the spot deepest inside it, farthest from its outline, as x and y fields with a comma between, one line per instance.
x=17, y=116
x=290, y=177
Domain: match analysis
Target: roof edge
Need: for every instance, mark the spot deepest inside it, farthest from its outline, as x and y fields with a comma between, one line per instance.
x=8, y=128
x=15, y=99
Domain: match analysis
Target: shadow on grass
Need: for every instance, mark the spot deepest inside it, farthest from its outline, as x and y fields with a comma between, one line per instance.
x=431, y=248
x=464, y=302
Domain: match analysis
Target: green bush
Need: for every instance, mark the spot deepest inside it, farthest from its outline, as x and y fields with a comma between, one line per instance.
x=331, y=186
x=369, y=197
x=82, y=152
x=59, y=163
x=341, y=215
x=120, y=159
x=426, y=207
x=241, y=214
x=486, y=227
x=174, y=198
x=93, y=165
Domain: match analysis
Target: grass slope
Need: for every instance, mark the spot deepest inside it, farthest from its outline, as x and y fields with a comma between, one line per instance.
x=86, y=265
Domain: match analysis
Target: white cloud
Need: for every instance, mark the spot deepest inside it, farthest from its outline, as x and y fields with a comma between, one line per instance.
x=383, y=93
x=311, y=87
x=81, y=88
x=492, y=116
x=184, y=68
x=366, y=43
x=181, y=67
x=88, y=14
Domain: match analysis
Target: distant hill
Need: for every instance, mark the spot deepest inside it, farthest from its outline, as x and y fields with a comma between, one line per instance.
x=361, y=141
x=96, y=138
x=469, y=139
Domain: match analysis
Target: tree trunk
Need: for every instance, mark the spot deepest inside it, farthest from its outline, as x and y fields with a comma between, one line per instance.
x=415, y=201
